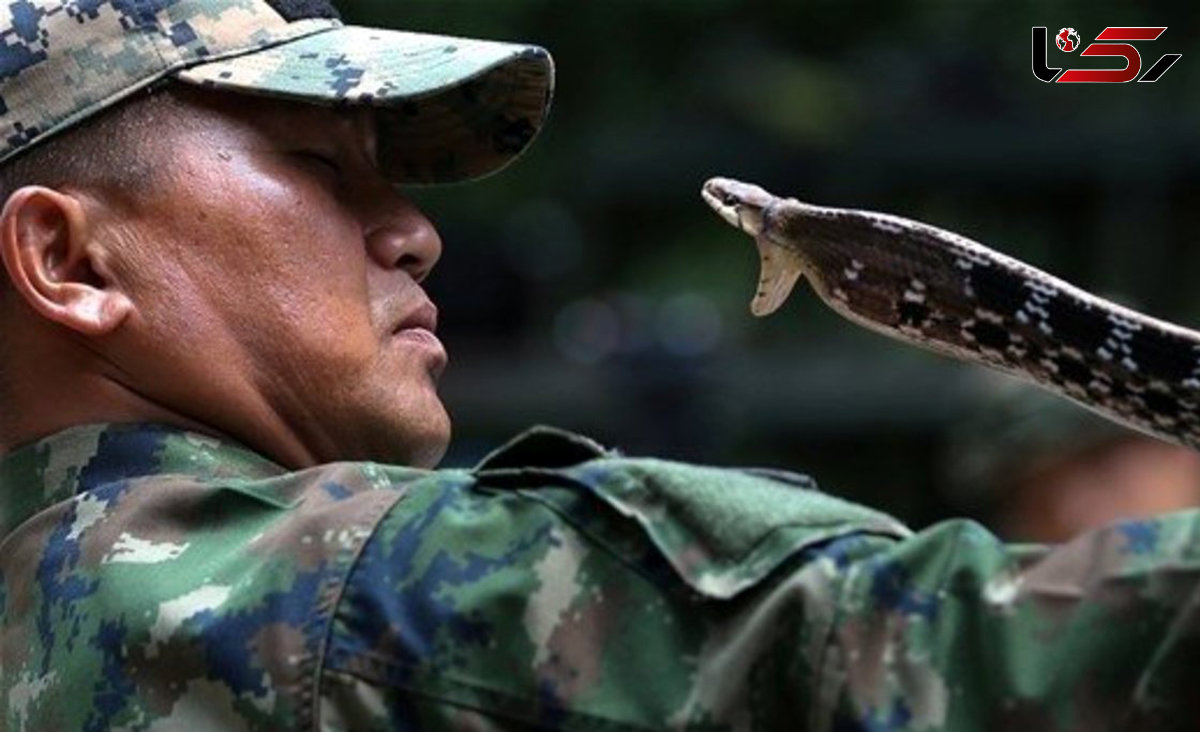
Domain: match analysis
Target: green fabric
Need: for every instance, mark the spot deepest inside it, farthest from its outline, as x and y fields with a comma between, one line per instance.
x=725, y=530
x=156, y=579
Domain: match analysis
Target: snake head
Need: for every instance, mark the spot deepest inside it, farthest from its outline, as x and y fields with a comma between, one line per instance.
x=750, y=208
x=741, y=204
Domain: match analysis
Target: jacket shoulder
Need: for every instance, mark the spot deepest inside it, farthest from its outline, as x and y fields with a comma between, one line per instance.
x=721, y=529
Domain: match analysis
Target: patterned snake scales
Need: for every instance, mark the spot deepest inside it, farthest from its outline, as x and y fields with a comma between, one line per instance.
x=933, y=288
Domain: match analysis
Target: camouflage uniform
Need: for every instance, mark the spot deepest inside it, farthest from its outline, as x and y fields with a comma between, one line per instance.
x=155, y=579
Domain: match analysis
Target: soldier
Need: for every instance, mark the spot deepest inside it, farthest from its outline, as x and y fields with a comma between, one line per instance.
x=1042, y=469
x=219, y=508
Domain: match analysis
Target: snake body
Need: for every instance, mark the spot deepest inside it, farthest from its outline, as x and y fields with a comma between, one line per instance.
x=936, y=289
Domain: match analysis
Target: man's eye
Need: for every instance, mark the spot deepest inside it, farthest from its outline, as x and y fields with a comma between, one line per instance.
x=321, y=160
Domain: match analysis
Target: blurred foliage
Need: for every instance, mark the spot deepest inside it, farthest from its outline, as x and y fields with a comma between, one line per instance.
x=588, y=286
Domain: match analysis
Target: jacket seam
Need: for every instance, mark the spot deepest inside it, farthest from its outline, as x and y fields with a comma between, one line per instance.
x=597, y=721
x=329, y=607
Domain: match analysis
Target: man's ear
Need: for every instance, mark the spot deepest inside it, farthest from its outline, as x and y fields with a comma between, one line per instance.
x=46, y=242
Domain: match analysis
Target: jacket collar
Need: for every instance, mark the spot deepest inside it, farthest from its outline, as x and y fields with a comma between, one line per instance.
x=79, y=459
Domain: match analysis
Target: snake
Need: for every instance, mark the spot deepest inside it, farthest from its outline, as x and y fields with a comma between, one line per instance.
x=936, y=289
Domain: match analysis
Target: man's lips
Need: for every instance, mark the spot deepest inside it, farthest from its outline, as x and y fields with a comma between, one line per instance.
x=418, y=328
x=423, y=317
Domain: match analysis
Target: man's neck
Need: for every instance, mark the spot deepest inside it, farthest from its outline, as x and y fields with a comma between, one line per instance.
x=82, y=399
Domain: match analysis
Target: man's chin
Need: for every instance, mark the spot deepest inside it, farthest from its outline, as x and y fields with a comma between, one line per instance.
x=396, y=421
x=429, y=458
x=418, y=442
x=430, y=442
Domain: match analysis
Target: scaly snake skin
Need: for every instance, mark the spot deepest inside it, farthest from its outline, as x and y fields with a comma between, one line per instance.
x=933, y=288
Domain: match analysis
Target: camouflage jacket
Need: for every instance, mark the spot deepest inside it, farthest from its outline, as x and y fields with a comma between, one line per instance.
x=155, y=579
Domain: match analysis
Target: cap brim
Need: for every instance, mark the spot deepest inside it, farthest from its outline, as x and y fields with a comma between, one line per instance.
x=450, y=109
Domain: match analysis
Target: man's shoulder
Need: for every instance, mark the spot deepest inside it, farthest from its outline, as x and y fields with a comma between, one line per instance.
x=561, y=583
x=721, y=528
x=160, y=563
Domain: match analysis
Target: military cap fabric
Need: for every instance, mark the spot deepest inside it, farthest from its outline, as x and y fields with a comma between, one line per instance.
x=450, y=108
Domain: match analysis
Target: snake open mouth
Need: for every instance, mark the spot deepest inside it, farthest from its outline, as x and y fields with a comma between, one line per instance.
x=726, y=209
x=939, y=290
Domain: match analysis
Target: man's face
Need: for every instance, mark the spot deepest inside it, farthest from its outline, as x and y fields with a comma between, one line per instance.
x=277, y=280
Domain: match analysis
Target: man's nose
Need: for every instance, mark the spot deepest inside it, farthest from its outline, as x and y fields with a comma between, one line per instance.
x=404, y=238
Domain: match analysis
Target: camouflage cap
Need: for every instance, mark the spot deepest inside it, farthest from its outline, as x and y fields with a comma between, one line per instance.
x=450, y=109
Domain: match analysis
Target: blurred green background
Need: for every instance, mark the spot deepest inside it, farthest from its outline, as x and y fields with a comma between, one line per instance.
x=589, y=287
